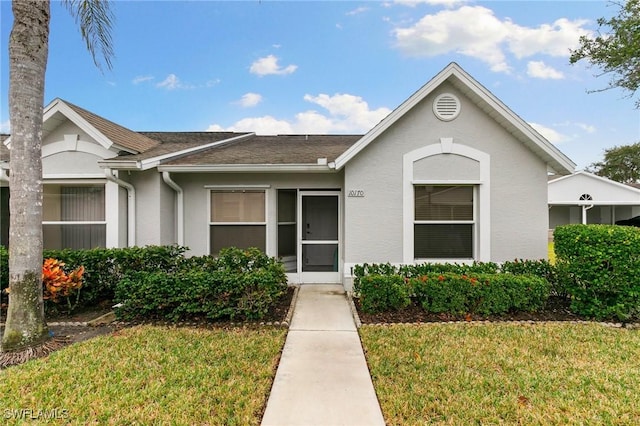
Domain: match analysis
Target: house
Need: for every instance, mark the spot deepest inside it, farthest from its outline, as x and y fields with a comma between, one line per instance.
x=586, y=198
x=451, y=175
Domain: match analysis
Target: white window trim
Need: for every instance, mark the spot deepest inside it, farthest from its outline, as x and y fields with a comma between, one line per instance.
x=482, y=234
x=220, y=188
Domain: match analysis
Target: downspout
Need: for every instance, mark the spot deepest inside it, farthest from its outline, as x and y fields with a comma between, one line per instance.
x=584, y=212
x=131, y=205
x=166, y=176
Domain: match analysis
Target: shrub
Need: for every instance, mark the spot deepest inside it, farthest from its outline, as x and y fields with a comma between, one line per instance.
x=410, y=271
x=59, y=286
x=603, y=262
x=483, y=294
x=380, y=293
x=556, y=274
x=104, y=268
x=238, y=284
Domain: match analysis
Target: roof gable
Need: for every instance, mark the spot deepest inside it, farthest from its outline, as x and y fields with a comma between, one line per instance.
x=569, y=189
x=491, y=105
x=108, y=134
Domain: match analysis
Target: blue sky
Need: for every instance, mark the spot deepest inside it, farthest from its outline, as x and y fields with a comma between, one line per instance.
x=333, y=66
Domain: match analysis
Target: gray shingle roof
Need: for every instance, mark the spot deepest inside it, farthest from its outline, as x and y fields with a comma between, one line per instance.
x=170, y=142
x=280, y=149
x=117, y=134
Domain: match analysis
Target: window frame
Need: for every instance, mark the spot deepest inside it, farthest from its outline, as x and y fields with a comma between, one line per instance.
x=78, y=184
x=210, y=223
x=473, y=221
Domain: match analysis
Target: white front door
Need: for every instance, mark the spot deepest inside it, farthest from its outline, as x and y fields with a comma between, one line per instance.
x=319, y=236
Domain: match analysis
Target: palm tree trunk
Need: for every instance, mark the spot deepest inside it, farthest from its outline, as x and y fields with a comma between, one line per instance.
x=28, y=48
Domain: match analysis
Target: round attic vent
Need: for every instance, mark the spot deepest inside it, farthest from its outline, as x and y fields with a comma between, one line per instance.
x=446, y=107
x=586, y=197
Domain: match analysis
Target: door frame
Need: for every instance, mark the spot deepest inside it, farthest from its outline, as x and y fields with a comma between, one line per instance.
x=319, y=277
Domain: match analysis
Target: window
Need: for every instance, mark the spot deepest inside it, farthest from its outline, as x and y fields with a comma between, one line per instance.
x=73, y=216
x=237, y=220
x=443, y=222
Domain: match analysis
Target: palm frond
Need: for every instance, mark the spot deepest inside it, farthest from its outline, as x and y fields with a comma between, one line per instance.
x=95, y=19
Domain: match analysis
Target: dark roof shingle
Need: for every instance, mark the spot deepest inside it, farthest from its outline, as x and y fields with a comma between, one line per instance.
x=117, y=134
x=280, y=149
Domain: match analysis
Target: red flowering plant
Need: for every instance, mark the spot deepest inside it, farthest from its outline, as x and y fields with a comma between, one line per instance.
x=58, y=285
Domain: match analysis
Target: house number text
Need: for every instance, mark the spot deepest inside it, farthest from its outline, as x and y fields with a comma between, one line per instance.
x=356, y=193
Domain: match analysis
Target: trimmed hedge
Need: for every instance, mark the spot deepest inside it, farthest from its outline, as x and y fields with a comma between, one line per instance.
x=482, y=294
x=379, y=293
x=237, y=284
x=604, y=264
x=453, y=293
x=519, y=285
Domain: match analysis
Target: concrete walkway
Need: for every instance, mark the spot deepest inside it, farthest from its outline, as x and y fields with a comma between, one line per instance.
x=323, y=378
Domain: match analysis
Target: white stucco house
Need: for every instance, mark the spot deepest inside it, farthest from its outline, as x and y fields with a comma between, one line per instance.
x=452, y=174
x=586, y=198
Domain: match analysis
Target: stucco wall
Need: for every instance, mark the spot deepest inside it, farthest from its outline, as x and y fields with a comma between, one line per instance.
x=71, y=163
x=518, y=183
x=196, y=199
x=155, y=214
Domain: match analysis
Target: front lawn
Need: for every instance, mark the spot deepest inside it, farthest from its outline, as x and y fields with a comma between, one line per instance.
x=539, y=374
x=149, y=375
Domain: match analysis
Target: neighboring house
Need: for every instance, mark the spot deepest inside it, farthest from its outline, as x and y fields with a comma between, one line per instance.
x=590, y=199
x=451, y=175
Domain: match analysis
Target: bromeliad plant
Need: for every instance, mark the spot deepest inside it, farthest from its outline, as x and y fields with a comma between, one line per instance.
x=59, y=286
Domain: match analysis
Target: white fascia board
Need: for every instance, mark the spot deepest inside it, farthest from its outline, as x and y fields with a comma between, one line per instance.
x=119, y=165
x=58, y=105
x=519, y=124
x=394, y=116
x=152, y=162
x=244, y=168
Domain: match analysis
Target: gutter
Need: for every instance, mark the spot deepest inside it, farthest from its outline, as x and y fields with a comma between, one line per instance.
x=166, y=176
x=131, y=205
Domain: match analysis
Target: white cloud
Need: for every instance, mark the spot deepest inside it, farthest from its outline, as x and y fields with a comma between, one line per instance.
x=357, y=11
x=269, y=65
x=550, y=134
x=249, y=100
x=475, y=31
x=172, y=82
x=5, y=127
x=142, y=78
x=538, y=69
x=265, y=125
x=551, y=39
x=344, y=113
x=586, y=127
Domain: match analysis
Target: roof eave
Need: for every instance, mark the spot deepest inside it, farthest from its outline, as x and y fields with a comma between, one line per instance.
x=244, y=168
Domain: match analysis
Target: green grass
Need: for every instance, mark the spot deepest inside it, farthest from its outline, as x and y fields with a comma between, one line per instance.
x=541, y=374
x=150, y=375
